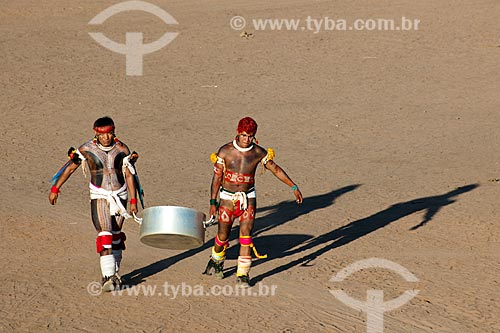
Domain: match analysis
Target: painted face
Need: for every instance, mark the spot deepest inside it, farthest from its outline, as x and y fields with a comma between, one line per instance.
x=245, y=139
x=105, y=139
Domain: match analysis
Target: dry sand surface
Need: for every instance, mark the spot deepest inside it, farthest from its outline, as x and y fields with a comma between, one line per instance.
x=392, y=136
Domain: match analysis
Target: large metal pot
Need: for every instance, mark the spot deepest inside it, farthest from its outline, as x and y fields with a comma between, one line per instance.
x=172, y=227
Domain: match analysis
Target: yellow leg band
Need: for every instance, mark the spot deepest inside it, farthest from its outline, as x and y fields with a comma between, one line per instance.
x=260, y=256
x=264, y=256
x=219, y=256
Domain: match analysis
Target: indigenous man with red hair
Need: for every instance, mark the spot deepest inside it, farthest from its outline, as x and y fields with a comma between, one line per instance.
x=234, y=176
x=112, y=173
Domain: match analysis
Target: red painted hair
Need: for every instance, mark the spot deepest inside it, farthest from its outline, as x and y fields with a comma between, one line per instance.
x=248, y=125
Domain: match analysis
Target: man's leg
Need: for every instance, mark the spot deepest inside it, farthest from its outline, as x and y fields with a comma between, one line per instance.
x=245, y=257
x=118, y=240
x=118, y=243
x=216, y=262
x=104, y=242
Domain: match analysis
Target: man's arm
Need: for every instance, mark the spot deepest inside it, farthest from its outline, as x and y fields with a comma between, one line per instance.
x=54, y=192
x=130, y=180
x=281, y=175
x=214, y=189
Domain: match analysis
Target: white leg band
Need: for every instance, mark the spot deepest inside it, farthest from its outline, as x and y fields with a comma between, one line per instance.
x=108, y=265
x=244, y=264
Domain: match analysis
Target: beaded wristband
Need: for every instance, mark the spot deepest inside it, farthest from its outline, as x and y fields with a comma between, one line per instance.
x=295, y=187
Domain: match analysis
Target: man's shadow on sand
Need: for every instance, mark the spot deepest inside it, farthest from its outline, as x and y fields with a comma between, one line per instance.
x=281, y=246
x=276, y=215
x=357, y=229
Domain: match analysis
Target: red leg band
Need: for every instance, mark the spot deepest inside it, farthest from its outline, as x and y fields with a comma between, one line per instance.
x=103, y=241
x=246, y=240
x=119, y=240
x=221, y=243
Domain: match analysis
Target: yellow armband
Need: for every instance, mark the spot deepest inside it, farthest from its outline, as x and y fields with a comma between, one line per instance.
x=216, y=159
x=269, y=157
x=213, y=157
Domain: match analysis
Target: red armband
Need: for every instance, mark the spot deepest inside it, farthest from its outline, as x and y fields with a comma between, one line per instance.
x=133, y=201
x=54, y=189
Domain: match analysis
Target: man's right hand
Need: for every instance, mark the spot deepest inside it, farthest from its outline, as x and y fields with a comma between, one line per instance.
x=213, y=210
x=53, y=198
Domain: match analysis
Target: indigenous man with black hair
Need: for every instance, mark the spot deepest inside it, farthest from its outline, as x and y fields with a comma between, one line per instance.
x=112, y=173
x=234, y=175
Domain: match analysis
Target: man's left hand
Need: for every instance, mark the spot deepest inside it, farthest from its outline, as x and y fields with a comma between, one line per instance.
x=298, y=196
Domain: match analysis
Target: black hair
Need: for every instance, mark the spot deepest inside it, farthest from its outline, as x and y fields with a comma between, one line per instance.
x=104, y=121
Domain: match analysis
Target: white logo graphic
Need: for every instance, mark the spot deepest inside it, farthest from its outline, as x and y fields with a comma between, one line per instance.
x=374, y=307
x=238, y=22
x=134, y=48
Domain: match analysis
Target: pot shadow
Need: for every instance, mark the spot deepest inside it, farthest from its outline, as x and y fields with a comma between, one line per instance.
x=278, y=214
x=357, y=229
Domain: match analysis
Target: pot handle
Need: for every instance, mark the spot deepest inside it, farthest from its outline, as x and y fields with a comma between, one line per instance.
x=137, y=219
x=210, y=222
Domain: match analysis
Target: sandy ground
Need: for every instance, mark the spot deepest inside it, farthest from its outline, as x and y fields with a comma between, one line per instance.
x=391, y=135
